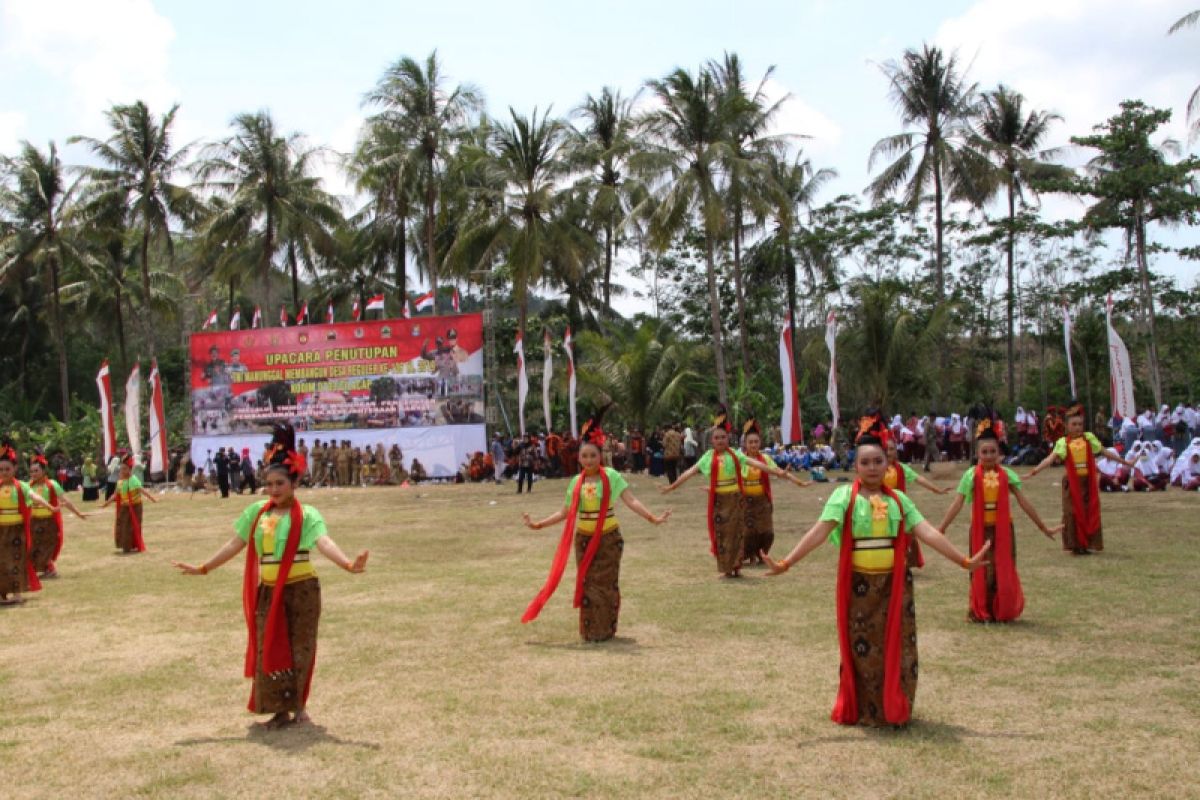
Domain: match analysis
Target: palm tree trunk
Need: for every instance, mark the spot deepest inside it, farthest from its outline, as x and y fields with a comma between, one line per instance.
x=1009, y=294
x=120, y=318
x=295, y=270
x=714, y=305
x=737, y=287
x=264, y=263
x=402, y=259
x=430, y=215
x=1147, y=307
x=939, y=274
x=789, y=267
x=231, y=281
x=608, y=260
x=148, y=324
x=60, y=343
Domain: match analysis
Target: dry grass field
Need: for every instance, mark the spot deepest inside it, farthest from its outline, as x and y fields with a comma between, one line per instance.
x=123, y=678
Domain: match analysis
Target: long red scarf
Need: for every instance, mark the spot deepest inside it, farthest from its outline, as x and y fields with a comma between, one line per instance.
x=277, y=650
x=23, y=508
x=902, y=485
x=138, y=542
x=1087, y=520
x=764, y=479
x=895, y=703
x=713, y=473
x=1010, y=600
x=563, y=552
x=58, y=519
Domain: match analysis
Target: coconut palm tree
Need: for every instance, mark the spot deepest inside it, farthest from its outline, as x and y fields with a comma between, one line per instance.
x=140, y=165
x=602, y=149
x=1189, y=20
x=415, y=100
x=685, y=147
x=1011, y=139
x=35, y=198
x=934, y=98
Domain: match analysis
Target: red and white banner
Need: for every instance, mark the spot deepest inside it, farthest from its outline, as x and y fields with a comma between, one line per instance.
x=406, y=309
x=256, y=320
x=133, y=411
x=831, y=394
x=329, y=314
x=375, y=303
x=424, y=302
x=1067, y=343
x=522, y=382
x=455, y=300
x=108, y=428
x=569, y=347
x=235, y=322
x=302, y=317
x=159, y=460
x=1120, y=371
x=791, y=430
x=547, y=374
x=210, y=321
x=283, y=316
x=356, y=311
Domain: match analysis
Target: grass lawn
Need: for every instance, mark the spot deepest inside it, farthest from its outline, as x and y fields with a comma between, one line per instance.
x=123, y=678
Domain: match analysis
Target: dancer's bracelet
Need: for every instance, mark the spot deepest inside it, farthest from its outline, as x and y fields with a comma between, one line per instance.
x=966, y=562
x=204, y=569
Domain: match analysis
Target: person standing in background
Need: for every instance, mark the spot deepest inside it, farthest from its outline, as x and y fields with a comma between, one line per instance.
x=221, y=465
x=672, y=443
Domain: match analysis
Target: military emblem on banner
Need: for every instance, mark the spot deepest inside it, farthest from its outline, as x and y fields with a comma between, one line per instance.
x=358, y=333
x=304, y=338
x=386, y=332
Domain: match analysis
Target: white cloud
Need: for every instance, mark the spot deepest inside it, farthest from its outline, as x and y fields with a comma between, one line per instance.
x=103, y=52
x=797, y=118
x=12, y=126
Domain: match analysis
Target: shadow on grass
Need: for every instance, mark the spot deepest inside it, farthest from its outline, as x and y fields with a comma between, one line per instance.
x=618, y=645
x=292, y=739
x=925, y=730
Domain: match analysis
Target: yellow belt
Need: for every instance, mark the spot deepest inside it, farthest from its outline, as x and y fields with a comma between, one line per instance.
x=873, y=555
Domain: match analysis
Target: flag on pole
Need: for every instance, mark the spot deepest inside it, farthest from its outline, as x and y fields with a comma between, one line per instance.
x=1120, y=373
x=831, y=394
x=356, y=310
x=158, y=425
x=1067, y=342
x=522, y=381
x=210, y=321
x=256, y=320
x=329, y=313
x=406, y=309
x=133, y=410
x=569, y=347
x=235, y=322
x=302, y=317
x=791, y=430
x=108, y=429
x=547, y=374
x=424, y=301
x=455, y=300
x=283, y=316
x=375, y=303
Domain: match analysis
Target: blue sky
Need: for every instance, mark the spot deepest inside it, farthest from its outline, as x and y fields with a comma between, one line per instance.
x=63, y=61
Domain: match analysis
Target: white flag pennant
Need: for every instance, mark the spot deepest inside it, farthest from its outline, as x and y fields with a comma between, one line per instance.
x=1067, y=343
x=1120, y=373
x=547, y=374
x=522, y=382
x=831, y=394
x=133, y=411
x=158, y=425
x=791, y=430
x=569, y=347
x=108, y=429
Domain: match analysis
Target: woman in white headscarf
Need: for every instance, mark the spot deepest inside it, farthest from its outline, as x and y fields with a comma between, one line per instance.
x=1022, y=421
x=1114, y=477
x=958, y=438
x=1181, y=463
x=1190, y=475
x=1165, y=457
x=1147, y=475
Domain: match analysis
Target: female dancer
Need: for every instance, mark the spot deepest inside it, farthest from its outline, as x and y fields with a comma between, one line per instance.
x=877, y=625
x=16, y=542
x=281, y=596
x=996, y=594
x=1082, y=530
x=127, y=525
x=597, y=541
x=46, y=522
x=898, y=478
x=759, y=505
x=723, y=465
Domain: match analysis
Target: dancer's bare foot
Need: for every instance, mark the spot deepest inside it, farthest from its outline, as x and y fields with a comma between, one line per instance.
x=276, y=722
x=302, y=718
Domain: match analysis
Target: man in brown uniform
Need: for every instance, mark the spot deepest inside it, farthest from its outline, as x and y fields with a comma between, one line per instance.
x=672, y=442
x=343, y=464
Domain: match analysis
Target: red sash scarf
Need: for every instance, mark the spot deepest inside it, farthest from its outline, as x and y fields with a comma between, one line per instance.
x=277, y=650
x=1087, y=520
x=1010, y=600
x=895, y=703
x=764, y=478
x=902, y=485
x=138, y=542
x=23, y=509
x=714, y=472
x=563, y=552
x=58, y=519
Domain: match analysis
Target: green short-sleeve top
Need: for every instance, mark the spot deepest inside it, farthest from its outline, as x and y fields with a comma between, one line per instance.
x=966, y=484
x=313, y=529
x=863, y=516
x=590, y=497
x=10, y=502
x=727, y=469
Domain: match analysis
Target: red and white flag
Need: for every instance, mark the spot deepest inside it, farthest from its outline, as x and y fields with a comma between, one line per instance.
x=455, y=301
x=791, y=429
x=235, y=321
x=302, y=317
x=831, y=394
x=158, y=424
x=283, y=316
x=210, y=321
x=329, y=313
x=376, y=303
x=569, y=347
x=256, y=320
x=547, y=373
x=1121, y=375
x=356, y=310
x=406, y=309
x=108, y=429
x=133, y=411
x=424, y=302
x=1067, y=341
x=522, y=381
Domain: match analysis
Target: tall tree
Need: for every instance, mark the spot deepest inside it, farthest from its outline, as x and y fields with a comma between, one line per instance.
x=383, y=173
x=417, y=102
x=1135, y=184
x=1011, y=138
x=933, y=97
x=1189, y=20
x=141, y=163
x=685, y=148
x=602, y=149
x=34, y=195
